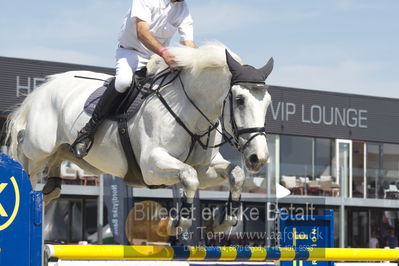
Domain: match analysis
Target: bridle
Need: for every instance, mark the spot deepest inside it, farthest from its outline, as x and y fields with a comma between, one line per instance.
x=237, y=132
x=197, y=138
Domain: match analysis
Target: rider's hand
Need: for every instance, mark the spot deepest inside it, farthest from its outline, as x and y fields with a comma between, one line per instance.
x=169, y=60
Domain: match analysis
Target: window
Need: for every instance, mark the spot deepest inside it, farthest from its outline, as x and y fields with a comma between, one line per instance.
x=306, y=166
x=391, y=171
x=373, y=172
x=296, y=156
x=324, y=150
x=382, y=171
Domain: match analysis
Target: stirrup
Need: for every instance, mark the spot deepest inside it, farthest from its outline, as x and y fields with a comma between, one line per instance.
x=79, y=147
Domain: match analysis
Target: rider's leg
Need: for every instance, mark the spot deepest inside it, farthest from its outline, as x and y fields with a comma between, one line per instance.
x=126, y=62
x=85, y=138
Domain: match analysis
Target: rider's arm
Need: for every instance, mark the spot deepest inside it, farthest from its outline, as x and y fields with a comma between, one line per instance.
x=145, y=37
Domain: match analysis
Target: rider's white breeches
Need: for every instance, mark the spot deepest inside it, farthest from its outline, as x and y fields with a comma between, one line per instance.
x=127, y=62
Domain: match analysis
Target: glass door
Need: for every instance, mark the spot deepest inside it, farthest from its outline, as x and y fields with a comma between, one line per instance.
x=344, y=166
x=358, y=169
x=374, y=173
x=358, y=228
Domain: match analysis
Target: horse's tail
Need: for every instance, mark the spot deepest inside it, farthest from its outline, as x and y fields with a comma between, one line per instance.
x=17, y=120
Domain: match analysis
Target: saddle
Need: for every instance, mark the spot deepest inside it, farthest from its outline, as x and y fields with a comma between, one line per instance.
x=131, y=101
x=130, y=104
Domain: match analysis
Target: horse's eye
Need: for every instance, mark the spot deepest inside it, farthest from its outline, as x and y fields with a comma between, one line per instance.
x=240, y=100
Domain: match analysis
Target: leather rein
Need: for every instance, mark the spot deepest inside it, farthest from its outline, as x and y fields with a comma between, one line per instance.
x=197, y=138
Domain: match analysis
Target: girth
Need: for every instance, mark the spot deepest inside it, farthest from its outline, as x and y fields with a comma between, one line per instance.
x=139, y=88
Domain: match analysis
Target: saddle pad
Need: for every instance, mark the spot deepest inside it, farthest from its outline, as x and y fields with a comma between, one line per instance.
x=134, y=176
x=91, y=103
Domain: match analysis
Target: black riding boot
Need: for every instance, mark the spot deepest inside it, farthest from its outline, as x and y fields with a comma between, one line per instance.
x=85, y=138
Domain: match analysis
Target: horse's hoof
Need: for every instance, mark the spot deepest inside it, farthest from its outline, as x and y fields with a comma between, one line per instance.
x=162, y=228
x=55, y=194
x=175, y=228
x=51, y=190
x=226, y=224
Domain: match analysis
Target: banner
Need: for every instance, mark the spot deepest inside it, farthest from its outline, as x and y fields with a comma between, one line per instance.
x=118, y=199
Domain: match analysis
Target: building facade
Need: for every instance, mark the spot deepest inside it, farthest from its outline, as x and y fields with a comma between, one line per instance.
x=338, y=151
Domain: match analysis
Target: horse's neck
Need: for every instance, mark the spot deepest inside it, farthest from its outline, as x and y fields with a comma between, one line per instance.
x=208, y=92
x=208, y=99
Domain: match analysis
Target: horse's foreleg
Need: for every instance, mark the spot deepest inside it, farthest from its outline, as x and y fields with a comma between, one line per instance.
x=160, y=168
x=220, y=170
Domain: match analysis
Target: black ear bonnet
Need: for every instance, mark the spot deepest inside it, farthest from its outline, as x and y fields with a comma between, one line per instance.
x=246, y=74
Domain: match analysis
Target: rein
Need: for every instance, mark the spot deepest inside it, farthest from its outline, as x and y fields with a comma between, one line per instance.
x=196, y=138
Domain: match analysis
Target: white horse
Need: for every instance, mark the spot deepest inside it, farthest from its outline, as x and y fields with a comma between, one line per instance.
x=41, y=129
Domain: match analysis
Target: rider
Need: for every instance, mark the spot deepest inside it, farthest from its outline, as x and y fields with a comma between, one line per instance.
x=147, y=28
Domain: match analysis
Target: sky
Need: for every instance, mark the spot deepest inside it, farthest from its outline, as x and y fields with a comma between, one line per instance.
x=349, y=46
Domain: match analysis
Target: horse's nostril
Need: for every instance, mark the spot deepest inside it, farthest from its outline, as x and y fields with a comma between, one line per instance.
x=253, y=158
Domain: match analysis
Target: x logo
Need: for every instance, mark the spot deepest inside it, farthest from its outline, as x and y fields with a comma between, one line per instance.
x=2, y=211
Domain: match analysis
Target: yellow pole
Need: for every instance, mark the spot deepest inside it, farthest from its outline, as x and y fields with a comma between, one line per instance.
x=356, y=254
x=108, y=252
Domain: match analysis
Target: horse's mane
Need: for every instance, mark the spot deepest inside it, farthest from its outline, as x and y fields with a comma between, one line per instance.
x=209, y=55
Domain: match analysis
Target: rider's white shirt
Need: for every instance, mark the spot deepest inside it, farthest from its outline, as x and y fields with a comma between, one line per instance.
x=165, y=19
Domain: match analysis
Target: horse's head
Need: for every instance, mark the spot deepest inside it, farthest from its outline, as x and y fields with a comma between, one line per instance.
x=246, y=108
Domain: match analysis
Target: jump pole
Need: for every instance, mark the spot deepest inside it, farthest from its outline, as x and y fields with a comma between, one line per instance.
x=163, y=253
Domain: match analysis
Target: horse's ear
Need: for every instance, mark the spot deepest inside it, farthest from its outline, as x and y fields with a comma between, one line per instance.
x=234, y=66
x=267, y=69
